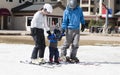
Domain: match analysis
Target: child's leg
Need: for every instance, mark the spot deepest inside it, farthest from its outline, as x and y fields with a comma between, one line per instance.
x=51, y=53
x=56, y=59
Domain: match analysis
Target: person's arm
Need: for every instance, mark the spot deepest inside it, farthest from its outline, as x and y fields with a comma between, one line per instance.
x=33, y=21
x=65, y=20
x=46, y=26
x=82, y=21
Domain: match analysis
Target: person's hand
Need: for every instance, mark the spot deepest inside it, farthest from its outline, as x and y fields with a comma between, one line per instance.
x=60, y=37
x=63, y=34
x=49, y=33
x=62, y=31
x=83, y=28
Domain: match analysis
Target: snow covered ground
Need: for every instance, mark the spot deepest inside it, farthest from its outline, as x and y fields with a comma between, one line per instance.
x=95, y=60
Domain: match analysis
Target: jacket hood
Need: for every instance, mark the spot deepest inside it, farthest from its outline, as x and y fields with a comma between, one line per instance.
x=68, y=8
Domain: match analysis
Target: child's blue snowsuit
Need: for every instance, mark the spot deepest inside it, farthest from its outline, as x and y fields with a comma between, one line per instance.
x=54, y=38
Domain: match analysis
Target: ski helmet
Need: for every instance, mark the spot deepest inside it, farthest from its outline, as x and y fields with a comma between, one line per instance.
x=48, y=7
x=57, y=32
x=72, y=3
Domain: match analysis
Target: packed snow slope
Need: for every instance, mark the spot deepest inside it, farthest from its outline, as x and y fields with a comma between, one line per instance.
x=95, y=60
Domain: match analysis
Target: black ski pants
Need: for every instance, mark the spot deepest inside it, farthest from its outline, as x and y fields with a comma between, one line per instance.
x=39, y=39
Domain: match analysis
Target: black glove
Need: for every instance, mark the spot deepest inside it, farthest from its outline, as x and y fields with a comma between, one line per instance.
x=49, y=33
x=83, y=28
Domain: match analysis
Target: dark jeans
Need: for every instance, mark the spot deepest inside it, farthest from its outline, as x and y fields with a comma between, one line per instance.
x=54, y=53
x=39, y=39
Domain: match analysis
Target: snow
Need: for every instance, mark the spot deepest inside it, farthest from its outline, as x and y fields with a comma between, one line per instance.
x=95, y=60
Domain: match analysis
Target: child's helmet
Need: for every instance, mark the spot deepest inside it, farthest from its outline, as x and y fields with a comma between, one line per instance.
x=57, y=33
x=48, y=7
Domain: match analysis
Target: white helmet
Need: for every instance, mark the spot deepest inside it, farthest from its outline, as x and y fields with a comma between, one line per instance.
x=48, y=7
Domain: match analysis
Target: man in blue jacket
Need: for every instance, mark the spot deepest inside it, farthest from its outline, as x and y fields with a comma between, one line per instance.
x=72, y=18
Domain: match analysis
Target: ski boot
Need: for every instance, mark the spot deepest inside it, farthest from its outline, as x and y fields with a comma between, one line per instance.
x=41, y=61
x=57, y=62
x=34, y=61
x=66, y=59
x=74, y=60
x=63, y=58
x=51, y=61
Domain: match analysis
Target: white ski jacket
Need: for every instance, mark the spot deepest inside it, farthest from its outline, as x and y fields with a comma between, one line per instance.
x=39, y=21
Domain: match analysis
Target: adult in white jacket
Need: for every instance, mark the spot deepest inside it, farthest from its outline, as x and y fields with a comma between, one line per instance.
x=38, y=24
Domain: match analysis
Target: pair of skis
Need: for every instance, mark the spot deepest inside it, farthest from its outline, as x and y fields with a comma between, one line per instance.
x=53, y=65
x=46, y=64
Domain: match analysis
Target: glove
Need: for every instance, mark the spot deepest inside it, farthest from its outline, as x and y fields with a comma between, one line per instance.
x=62, y=31
x=60, y=37
x=83, y=28
x=49, y=33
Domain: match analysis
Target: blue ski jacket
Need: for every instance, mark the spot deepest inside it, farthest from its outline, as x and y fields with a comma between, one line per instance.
x=72, y=18
x=52, y=38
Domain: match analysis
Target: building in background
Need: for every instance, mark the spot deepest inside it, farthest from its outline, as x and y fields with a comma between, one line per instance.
x=95, y=9
x=20, y=13
x=17, y=14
